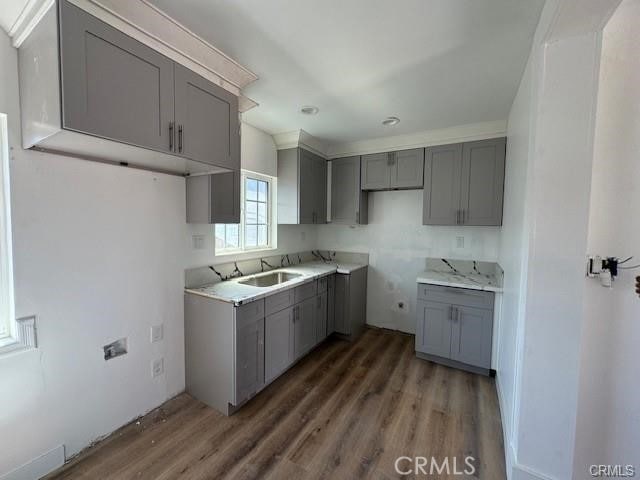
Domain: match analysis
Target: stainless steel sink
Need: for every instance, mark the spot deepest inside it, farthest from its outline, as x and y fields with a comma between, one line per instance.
x=270, y=279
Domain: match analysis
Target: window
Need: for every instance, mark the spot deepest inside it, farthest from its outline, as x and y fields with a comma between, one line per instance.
x=255, y=231
x=7, y=323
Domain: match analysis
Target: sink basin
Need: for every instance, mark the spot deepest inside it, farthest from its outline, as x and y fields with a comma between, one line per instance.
x=270, y=279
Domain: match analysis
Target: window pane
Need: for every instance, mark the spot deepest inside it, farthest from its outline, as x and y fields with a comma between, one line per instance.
x=262, y=213
x=220, y=235
x=233, y=236
x=251, y=236
x=251, y=213
x=262, y=235
x=262, y=191
x=251, y=189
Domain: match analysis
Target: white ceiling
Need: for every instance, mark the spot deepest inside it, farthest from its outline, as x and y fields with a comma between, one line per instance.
x=10, y=11
x=433, y=63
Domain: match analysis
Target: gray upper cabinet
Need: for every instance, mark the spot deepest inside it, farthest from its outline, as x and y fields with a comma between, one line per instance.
x=278, y=352
x=483, y=165
x=393, y=170
x=442, y=171
x=464, y=183
x=206, y=121
x=214, y=198
x=89, y=90
x=376, y=171
x=407, y=170
x=112, y=85
x=348, y=200
x=302, y=187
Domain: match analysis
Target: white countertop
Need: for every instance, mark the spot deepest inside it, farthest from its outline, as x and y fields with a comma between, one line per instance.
x=474, y=281
x=233, y=291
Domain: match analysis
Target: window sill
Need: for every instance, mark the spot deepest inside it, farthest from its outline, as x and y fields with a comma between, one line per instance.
x=235, y=253
x=24, y=340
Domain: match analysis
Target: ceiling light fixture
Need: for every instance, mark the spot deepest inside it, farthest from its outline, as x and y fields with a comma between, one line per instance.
x=390, y=121
x=309, y=110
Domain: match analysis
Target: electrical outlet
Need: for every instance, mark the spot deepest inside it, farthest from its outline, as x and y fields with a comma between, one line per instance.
x=157, y=333
x=157, y=367
x=198, y=242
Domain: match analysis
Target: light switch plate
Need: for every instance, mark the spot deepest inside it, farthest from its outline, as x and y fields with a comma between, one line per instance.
x=157, y=333
x=459, y=242
x=157, y=367
x=198, y=242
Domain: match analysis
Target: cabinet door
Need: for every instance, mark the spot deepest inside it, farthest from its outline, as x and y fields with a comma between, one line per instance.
x=320, y=184
x=472, y=335
x=306, y=187
x=442, y=170
x=321, y=317
x=376, y=171
x=348, y=201
x=225, y=197
x=433, y=332
x=342, y=320
x=331, y=304
x=483, y=182
x=249, y=364
x=304, y=327
x=278, y=349
x=207, y=126
x=112, y=85
x=408, y=169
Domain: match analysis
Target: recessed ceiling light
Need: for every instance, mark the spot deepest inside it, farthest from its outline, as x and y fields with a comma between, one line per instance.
x=390, y=121
x=309, y=110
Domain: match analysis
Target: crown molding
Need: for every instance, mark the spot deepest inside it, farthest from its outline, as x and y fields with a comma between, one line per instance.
x=428, y=138
x=154, y=28
x=300, y=138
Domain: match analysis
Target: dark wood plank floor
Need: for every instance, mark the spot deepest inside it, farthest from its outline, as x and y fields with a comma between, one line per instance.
x=347, y=410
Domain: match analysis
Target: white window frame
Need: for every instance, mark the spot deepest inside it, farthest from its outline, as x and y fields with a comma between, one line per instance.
x=20, y=334
x=271, y=217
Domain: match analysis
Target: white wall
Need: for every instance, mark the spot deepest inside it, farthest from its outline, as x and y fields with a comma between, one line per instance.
x=397, y=244
x=98, y=255
x=608, y=429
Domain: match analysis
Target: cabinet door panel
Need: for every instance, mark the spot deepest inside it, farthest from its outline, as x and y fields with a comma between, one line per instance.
x=249, y=360
x=483, y=182
x=112, y=85
x=471, y=336
x=321, y=317
x=348, y=201
x=208, y=117
x=320, y=184
x=278, y=351
x=304, y=327
x=408, y=169
x=331, y=304
x=306, y=187
x=443, y=166
x=376, y=171
x=225, y=197
x=342, y=321
x=433, y=332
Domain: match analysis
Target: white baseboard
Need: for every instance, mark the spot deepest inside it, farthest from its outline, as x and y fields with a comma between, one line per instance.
x=38, y=467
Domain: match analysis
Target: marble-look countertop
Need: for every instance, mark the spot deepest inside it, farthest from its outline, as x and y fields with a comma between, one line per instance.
x=463, y=274
x=233, y=291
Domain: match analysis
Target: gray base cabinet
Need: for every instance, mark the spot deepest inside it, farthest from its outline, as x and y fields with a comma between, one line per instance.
x=349, y=203
x=302, y=187
x=278, y=350
x=249, y=362
x=393, y=170
x=304, y=327
x=351, y=303
x=455, y=326
x=464, y=183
